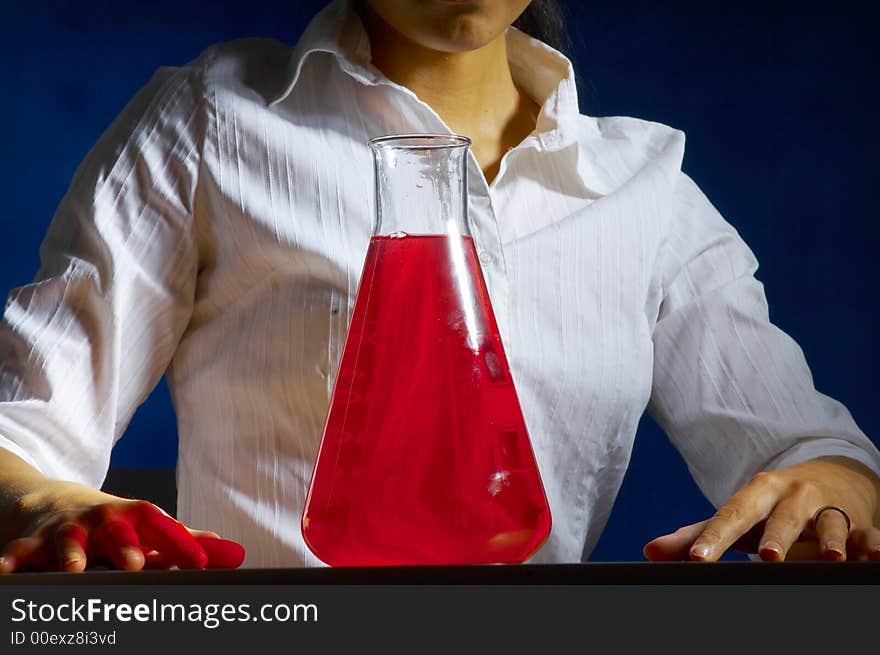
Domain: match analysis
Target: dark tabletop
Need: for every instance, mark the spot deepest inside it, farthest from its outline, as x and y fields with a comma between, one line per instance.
x=639, y=573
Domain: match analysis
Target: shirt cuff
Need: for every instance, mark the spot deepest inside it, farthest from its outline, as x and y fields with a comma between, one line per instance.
x=826, y=447
x=15, y=449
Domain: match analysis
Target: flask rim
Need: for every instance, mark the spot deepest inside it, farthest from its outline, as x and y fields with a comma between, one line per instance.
x=419, y=141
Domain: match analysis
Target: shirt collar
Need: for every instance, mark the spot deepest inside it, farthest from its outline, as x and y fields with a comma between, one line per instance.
x=542, y=72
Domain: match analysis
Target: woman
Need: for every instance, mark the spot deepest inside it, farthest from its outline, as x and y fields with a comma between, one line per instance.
x=217, y=231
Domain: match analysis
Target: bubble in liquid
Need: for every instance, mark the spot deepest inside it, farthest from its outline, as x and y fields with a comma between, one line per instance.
x=498, y=481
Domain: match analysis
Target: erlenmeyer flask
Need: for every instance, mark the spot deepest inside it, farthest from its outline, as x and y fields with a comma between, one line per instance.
x=425, y=458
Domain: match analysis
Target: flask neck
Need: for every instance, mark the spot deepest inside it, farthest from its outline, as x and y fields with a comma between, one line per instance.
x=421, y=184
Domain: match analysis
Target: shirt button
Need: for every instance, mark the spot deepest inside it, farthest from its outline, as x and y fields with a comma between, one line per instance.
x=486, y=257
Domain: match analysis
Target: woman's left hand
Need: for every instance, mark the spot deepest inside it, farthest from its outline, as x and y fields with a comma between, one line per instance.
x=773, y=516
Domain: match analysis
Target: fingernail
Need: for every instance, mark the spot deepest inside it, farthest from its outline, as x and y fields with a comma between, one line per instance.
x=72, y=560
x=132, y=555
x=770, y=549
x=834, y=550
x=700, y=551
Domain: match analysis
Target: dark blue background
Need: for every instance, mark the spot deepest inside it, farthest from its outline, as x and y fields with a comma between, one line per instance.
x=778, y=100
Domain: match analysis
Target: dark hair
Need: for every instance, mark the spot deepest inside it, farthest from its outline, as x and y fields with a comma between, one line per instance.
x=543, y=20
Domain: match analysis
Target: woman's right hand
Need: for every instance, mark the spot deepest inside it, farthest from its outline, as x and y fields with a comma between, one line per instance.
x=70, y=527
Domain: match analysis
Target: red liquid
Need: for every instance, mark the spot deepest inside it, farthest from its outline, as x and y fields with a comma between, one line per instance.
x=425, y=457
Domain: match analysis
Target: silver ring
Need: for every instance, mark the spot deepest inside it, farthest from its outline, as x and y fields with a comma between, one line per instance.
x=837, y=509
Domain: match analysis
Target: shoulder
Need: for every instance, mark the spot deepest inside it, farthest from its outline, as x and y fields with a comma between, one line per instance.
x=636, y=137
x=618, y=149
x=256, y=69
x=640, y=161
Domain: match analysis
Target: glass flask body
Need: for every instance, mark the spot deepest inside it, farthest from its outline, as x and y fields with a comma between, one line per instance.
x=425, y=458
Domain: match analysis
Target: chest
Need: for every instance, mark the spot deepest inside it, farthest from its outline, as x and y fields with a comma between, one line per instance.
x=288, y=220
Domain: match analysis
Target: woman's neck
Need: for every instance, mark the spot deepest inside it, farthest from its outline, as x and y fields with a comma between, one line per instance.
x=473, y=91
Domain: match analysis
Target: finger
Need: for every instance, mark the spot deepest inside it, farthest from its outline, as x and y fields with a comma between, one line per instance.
x=155, y=560
x=864, y=544
x=119, y=542
x=160, y=532
x=15, y=551
x=674, y=546
x=784, y=525
x=70, y=547
x=222, y=553
x=833, y=532
x=23, y=553
x=735, y=518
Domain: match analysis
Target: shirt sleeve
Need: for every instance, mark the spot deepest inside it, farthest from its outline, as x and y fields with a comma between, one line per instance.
x=84, y=344
x=733, y=391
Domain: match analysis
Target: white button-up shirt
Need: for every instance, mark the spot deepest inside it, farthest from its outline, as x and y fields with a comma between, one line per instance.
x=217, y=232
